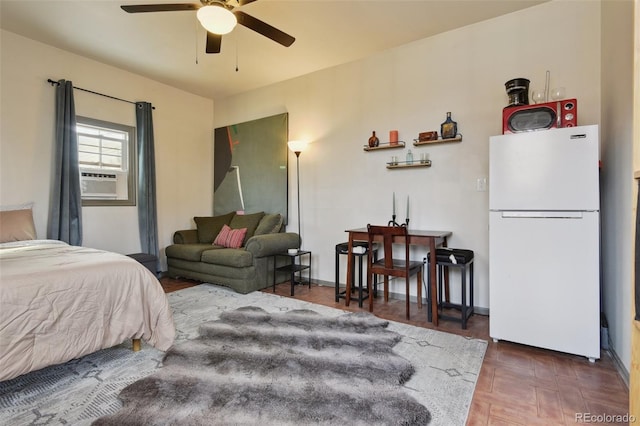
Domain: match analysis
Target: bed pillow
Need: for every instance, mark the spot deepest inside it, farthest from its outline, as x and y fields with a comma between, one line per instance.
x=249, y=221
x=209, y=227
x=17, y=225
x=230, y=238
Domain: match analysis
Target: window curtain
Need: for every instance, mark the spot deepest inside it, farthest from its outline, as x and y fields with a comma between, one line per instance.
x=147, y=211
x=65, y=212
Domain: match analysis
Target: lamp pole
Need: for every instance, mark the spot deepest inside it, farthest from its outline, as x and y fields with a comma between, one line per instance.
x=297, y=147
x=298, y=184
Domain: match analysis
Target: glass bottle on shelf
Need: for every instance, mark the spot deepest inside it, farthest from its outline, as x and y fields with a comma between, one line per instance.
x=373, y=140
x=449, y=129
x=409, y=157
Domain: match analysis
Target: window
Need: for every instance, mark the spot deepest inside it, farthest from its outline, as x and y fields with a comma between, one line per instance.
x=106, y=156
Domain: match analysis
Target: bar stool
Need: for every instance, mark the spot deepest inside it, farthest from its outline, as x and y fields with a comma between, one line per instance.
x=361, y=249
x=453, y=258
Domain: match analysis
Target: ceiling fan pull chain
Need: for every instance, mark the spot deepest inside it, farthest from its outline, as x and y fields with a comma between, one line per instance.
x=195, y=29
x=237, y=54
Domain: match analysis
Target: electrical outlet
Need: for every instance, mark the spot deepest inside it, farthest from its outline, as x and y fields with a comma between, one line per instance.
x=481, y=184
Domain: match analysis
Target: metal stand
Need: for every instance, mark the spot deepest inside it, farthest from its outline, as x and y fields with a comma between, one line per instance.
x=393, y=222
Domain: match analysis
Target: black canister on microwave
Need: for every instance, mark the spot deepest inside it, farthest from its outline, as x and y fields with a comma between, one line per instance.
x=518, y=91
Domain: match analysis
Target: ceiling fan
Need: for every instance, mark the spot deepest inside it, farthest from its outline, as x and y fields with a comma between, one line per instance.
x=218, y=17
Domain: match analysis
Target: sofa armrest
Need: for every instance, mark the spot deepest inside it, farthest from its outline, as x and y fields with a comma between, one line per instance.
x=186, y=236
x=270, y=244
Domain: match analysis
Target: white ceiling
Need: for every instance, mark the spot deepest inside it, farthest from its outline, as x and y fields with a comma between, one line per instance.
x=169, y=46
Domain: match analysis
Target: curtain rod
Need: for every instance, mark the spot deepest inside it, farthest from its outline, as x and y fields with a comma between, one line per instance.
x=55, y=83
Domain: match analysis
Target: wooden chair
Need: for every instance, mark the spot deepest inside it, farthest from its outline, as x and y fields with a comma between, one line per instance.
x=400, y=266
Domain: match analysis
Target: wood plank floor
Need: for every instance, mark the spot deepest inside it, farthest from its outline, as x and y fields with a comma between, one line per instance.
x=518, y=385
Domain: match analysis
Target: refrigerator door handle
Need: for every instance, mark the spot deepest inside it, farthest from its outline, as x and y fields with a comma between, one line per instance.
x=542, y=214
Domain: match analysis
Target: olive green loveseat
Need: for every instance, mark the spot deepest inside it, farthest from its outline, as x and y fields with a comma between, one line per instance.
x=245, y=269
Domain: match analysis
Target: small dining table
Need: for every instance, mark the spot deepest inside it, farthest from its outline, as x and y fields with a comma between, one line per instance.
x=430, y=239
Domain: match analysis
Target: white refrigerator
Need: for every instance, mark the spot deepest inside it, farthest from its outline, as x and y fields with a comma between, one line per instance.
x=544, y=240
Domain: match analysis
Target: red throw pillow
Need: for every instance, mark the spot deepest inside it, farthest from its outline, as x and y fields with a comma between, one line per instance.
x=230, y=238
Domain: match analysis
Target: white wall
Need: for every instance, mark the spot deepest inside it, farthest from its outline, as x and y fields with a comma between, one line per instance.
x=183, y=129
x=617, y=172
x=410, y=88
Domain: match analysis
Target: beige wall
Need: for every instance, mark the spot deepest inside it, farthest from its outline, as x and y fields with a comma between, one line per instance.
x=183, y=127
x=410, y=88
x=617, y=170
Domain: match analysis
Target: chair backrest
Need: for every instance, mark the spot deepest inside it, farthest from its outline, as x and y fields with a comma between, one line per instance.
x=388, y=234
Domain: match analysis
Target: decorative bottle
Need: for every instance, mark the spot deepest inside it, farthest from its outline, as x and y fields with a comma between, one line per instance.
x=373, y=140
x=409, y=157
x=448, y=129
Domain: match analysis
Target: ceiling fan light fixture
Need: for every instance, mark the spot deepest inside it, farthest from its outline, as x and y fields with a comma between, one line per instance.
x=217, y=19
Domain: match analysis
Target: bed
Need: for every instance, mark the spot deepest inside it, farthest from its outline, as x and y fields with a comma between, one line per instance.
x=60, y=302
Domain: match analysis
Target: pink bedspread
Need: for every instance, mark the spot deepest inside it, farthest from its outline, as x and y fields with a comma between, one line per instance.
x=60, y=302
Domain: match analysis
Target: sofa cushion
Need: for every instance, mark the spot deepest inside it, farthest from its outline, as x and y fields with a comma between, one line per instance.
x=209, y=227
x=230, y=238
x=269, y=224
x=237, y=258
x=249, y=221
x=192, y=252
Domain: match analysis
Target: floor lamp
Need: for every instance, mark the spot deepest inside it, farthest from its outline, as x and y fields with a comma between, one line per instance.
x=297, y=147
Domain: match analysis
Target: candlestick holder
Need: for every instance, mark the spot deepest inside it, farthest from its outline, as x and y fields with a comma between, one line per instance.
x=393, y=222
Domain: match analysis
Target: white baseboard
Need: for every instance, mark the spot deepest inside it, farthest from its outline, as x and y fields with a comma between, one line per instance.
x=624, y=373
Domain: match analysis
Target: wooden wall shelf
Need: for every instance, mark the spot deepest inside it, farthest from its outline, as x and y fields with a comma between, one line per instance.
x=400, y=144
x=417, y=142
x=406, y=165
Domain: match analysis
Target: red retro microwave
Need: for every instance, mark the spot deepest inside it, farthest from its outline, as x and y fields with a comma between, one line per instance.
x=525, y=118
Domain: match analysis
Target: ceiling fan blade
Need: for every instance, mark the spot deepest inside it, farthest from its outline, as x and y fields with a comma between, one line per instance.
x=168, y=7
x=243, y=2
x=213, y=42
x=263, y=28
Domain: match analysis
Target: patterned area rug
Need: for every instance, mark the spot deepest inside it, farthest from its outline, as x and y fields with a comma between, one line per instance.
x=81, y=391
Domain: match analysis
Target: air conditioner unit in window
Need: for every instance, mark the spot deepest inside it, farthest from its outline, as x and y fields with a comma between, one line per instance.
x=99, y=185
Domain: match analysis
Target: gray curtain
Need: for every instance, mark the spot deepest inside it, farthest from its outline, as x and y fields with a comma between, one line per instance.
x=147, y=211
x=65, y=212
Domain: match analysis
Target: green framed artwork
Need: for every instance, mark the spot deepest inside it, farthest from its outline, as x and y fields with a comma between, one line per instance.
x=250, y=166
